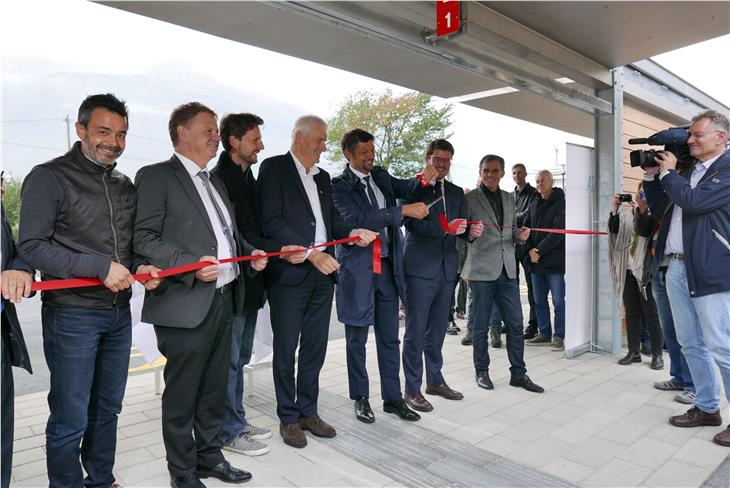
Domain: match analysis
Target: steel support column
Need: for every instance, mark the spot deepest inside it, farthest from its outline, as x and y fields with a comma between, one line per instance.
x=606, y=336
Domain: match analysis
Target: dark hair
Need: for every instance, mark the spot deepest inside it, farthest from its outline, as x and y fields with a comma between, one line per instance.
x=521, y=166
x=106, y=101
x=441, y=144
x=237, y=125
x=351, y=139
x=492, y=157
x=184, y=114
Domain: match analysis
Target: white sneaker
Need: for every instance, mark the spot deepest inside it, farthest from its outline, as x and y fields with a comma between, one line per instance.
x=687, y=397
x=243, y=444
x=256, y=433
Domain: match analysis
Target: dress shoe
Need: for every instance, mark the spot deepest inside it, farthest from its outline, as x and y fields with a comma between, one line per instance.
x=318, y=427
x=723, y=438
x=527, y=384
x=483, y=380
x=494, y=337
x=539, y=340
x=188, y=481
x=400, y=408
x=224, y=472
x=694, y=417
x=466, y=340
x=363, y=412
x=292, y=435
x=417, y=402
x=657, y=362
x=631, y=357
x=530, y=332
x=443, y=390
x=451, y=329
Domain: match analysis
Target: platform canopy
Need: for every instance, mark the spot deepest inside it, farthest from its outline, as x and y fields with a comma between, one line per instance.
x=542, y=62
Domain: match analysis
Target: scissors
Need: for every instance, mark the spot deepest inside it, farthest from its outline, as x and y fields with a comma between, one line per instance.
x=435, y=201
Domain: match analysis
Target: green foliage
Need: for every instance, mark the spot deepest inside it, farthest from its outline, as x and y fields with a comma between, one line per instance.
x=11, y=203
x=403, y=126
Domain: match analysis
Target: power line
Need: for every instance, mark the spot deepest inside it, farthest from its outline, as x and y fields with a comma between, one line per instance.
x=17, y=121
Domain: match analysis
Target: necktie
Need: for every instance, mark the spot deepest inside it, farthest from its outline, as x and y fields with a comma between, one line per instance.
x=221, y=218
x=439, y=191
x=374, y=204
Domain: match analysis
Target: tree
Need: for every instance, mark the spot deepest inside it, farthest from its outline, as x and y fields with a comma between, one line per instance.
x=11, y=202
x=402, y=125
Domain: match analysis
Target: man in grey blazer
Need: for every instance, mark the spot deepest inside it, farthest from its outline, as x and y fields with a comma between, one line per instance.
x=491, y=269
x=184, y=216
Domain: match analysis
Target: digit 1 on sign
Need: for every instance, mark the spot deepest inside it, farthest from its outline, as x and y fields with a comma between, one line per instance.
x=448, y=17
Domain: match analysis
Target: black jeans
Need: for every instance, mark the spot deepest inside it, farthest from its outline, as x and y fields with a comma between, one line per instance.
x=638, y=307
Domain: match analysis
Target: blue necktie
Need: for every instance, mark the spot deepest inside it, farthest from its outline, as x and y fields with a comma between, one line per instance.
x=374, y=204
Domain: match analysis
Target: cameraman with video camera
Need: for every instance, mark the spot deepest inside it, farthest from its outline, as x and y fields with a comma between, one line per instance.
x=694, y=247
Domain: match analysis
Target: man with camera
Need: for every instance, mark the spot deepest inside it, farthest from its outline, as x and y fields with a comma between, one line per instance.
x=695, y=249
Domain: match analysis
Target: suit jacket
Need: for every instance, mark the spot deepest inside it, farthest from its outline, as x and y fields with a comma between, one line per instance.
x=355, y=279
x=428, y=249
x=242, y=191
x=287, y=217
x=172, y=228
x=11, y=332
x=495, y=249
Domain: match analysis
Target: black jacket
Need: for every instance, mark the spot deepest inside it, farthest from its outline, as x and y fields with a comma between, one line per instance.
x=241, y=188
x=76, y=218
x=12, y=335
x=523, y=199
x=547, y=214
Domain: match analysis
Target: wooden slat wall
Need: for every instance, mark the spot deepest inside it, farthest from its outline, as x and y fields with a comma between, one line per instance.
x=637, y=124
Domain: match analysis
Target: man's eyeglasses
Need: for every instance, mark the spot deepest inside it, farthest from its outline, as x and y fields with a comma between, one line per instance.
x=438, y=160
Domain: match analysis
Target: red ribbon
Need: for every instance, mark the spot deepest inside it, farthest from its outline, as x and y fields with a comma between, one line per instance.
x=185, y=268
x=424, y=184
x=450, y=229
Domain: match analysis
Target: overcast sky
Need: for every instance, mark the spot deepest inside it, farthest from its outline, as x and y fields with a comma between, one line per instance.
x=80, y=37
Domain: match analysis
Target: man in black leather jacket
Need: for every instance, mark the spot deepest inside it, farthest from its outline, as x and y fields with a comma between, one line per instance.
x=525, y=194
x=76, y=220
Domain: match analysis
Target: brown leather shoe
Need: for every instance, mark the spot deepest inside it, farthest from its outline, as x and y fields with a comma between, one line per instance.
x=694, y=417
x=723, y=438
x=443, y=390
x=292, y=435
x=317, y=426
x=417, y=402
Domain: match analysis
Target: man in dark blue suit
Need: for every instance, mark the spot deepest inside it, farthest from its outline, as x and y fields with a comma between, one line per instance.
x=365, y=195
x=431, y=263
x=17, y=279
x=295, y=198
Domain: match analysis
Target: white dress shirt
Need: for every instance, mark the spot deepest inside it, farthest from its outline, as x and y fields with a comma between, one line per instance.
x=226, y=272
x=674, y=237
x=379, y=197
x=310, y=187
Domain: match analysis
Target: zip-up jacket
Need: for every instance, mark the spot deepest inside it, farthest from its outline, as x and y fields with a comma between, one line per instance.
x=705, y=223
x=77, y=217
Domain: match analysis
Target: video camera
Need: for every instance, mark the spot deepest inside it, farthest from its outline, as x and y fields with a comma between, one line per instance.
x=674, y=141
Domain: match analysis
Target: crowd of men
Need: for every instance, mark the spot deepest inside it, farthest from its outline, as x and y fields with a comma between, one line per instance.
x=81, y=217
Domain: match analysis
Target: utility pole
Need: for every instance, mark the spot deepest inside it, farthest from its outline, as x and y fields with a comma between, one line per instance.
x=68, y=131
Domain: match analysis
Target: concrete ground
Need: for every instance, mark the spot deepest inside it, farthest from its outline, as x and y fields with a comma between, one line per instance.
x=597, y=424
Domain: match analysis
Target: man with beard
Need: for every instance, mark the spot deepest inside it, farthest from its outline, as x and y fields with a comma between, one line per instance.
x=76, y=220
x=241, y=139
x=365, y=195
x=525, y=194
x=431, y=265
x=295, y=198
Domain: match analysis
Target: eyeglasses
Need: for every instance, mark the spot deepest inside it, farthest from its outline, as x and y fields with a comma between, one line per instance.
x=438, y=160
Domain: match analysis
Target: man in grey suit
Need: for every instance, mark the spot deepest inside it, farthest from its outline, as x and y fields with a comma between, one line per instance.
x=491, y=269
x=184, y=215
